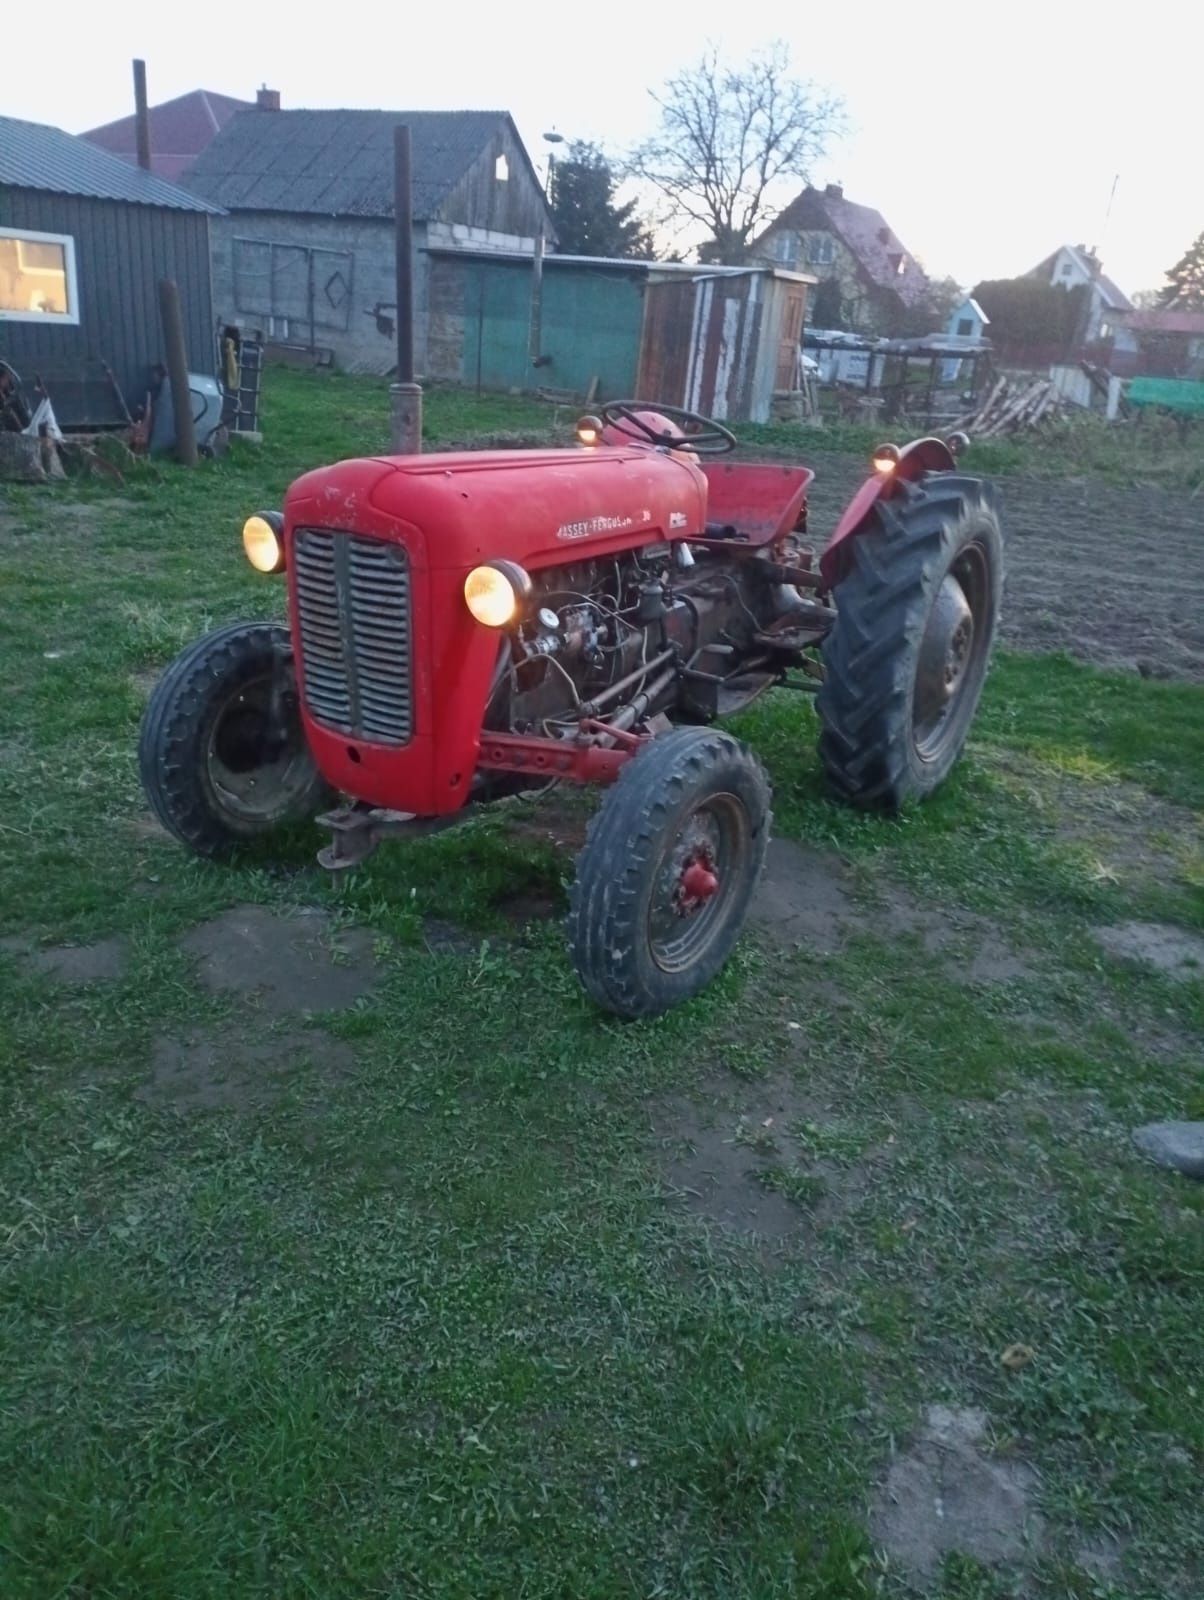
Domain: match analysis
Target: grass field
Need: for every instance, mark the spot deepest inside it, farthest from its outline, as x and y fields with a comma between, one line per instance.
x=438, y=1294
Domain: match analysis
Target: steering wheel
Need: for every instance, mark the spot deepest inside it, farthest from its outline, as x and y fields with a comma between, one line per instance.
x=710, y=438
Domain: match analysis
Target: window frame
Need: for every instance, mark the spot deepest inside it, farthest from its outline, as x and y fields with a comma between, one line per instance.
x=48, y=319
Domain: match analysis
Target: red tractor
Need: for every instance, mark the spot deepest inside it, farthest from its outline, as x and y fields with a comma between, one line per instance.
x=466, y=626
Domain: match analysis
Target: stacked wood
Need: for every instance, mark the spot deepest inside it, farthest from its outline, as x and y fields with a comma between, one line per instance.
x=1012, y=405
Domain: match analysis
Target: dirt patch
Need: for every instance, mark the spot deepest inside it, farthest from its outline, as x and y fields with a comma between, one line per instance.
x=102, y=962
x=1176, y=952
x=559, y=818
x=732, y=1158
x=947, y=1494
x=1067, y=542
x=292, y=964
x=207, y=1073
x=528, y=904
x=806, y=896
x=448, y=938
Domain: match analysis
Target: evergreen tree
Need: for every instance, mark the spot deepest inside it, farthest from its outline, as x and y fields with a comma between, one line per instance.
x=587, y=220
x=1185, y=281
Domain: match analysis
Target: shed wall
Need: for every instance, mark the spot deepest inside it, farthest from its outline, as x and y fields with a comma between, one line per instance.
x=121, y=252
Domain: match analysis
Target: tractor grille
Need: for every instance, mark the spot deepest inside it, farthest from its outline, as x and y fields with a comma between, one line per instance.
x=353, y=604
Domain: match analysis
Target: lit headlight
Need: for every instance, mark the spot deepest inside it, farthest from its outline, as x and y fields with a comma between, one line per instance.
x=496, y=592
x=263, y=541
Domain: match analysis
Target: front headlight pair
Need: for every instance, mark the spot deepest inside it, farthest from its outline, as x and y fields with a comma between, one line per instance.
x=495, y=592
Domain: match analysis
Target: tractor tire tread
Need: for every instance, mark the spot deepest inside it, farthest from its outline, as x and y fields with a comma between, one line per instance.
x=622, y=847
x=881, y=611
x=167, y=757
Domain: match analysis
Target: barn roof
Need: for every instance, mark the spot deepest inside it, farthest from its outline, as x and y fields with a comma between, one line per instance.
x=338, y=163
x=179, y=130
x=33, y=156
x=878, y=251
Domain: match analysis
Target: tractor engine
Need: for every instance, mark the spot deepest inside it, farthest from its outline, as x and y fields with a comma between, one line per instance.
x=593, y=625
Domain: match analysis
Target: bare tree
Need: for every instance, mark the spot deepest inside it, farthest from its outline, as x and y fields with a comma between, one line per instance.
x=727, y=136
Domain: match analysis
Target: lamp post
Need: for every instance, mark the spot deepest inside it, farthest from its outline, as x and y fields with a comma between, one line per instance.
x=553, y=139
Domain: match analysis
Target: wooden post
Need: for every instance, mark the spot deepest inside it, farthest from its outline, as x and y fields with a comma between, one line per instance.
x=176, y=358
x=405, y=396
x=141, y=117
x=535, y=339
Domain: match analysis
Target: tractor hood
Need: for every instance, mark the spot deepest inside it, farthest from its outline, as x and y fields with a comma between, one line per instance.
x=537, y=507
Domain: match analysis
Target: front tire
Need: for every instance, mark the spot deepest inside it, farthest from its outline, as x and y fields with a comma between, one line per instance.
x=907, y=657
x=669, y=867
x=222, y=753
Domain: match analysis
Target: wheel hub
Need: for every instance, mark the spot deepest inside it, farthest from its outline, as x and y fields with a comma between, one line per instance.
x=698, y=883
x=945, y=652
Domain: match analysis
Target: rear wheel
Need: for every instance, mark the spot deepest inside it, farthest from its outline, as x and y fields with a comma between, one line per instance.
x=667, y=873
x=222, y=755
x=907, y=657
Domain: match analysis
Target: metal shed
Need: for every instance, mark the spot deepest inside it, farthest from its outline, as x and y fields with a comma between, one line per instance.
x=724, y=341
x=84, y=240
x=717, y=339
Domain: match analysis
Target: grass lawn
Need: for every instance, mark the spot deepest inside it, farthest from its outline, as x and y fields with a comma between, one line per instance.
x=443, y=1305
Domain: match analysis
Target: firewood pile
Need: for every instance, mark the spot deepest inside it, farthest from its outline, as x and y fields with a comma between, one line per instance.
x=1013, y=405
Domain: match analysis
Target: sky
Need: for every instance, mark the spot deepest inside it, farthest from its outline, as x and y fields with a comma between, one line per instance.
x=986, y=135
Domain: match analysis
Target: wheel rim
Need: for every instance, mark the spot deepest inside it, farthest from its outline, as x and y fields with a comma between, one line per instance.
x=952, y=654
x=256, y=767
x=696, y=882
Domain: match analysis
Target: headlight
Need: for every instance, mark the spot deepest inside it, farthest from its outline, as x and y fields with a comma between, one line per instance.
x=263, y=541
x=496, y=592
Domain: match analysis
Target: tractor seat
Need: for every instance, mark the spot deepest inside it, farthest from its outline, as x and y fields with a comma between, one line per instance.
x=753, y=502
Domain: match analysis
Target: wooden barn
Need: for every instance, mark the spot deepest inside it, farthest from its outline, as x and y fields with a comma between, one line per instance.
x=84, y=240
x=305, y=251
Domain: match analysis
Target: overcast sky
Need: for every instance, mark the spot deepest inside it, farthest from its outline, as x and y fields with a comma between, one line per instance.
x=987, y=135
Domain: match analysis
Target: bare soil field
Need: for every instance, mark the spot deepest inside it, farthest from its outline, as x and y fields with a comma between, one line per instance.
x=1071, y=547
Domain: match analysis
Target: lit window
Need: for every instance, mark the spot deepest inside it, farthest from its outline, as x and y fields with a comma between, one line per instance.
x=501, y=169
x=37, y=277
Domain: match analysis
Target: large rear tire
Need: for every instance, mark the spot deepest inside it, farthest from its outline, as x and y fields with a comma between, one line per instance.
x=222, y=754
x=908, y=654
x=668, y=869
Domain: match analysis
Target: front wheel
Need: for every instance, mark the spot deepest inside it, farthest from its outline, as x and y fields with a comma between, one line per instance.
x=664, y=882
x=907, y=657
x=222, y=754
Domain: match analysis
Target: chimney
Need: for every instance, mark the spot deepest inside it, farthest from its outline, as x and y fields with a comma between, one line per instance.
x=267, y=99
x=833, y=191
x=141, y=117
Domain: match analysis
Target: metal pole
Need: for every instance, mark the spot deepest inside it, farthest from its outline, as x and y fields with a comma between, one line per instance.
x=535, y=338
x=405, y=396
x=141, y=117
x=177, y=370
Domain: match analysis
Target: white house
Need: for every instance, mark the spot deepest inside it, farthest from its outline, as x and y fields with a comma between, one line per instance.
x=1075, y=264
x=967, y=321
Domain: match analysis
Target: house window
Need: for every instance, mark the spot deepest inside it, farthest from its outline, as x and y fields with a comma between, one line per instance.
x=501, y=169
x=37, y=277
x=785, y=248
x=965, y=328
x=820, y=250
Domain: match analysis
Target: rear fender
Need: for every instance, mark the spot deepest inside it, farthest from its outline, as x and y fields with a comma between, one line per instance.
x=922, y=455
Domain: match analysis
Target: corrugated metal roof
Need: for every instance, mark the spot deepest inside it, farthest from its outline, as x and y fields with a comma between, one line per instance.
x=337, y=163
x=33, y=156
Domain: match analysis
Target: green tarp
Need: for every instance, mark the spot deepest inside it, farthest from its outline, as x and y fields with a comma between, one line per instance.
x=1172, y=394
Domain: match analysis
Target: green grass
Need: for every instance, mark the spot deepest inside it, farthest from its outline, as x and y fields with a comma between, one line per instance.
x=434, y=1326
x=1150, y=451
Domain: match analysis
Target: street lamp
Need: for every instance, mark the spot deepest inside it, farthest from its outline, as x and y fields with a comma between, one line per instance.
x=553, y=139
